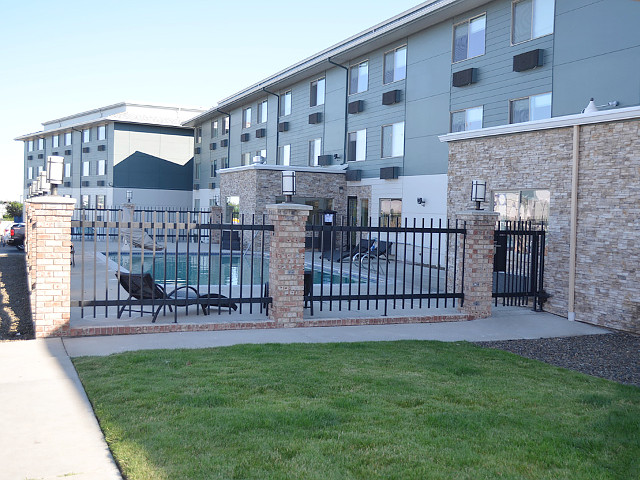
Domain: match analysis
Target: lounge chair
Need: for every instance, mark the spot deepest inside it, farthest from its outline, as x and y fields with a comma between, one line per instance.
x=143, y=289
x=140, y=239
x=375, y=256
x=349, y=252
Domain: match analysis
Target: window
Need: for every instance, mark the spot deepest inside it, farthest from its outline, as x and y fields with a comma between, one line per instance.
x=262, y=112
x=469, y=119
x=317, y=92
x=86, y=169
x=535, y=107
x=196, y=204
x=100, y=199
x=214, y=169
x=30, y=173
x=30, y=146
x=246, y=158
x=40, y=168
x=468, y=38
x=102, y=132
x=226, y=125
x=67, y=170
x=284, y=155
x=523, y=205
x=67, y=138
x=196, y=169
x=86, y=135
x=359, y=78
x=214, y=129
x=198, y=135
x=262, y=154
x=393, y=140
x=285, y=104
x=357, y=149
x=395, y=65
x=40, y=143
x=531, y=19
x=315, y=150
x=85, y=201
x=55, y=141
x=224, y=162
x=102, y=167
x=246, y=117
x=390, y=212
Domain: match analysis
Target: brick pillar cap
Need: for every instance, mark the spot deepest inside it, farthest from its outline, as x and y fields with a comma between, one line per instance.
x=479, y=213
x=52, y=199
x=289, y=206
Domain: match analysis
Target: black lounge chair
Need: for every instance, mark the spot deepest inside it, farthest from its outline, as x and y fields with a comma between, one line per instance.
x=143, y=289
x=348, y=253
x=375, y=255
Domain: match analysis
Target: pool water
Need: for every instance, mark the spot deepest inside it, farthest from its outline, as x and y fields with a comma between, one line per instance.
x=212, y=269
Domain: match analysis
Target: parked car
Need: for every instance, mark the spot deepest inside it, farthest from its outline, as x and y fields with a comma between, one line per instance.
x=5, y=232
x=16, y=235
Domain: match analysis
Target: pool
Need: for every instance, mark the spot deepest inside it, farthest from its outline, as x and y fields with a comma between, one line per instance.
x=214, y=269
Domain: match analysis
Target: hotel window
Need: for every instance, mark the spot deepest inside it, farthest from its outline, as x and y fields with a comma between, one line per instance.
x=357, y=149
x=262, y=112
x=226, y=125
x=196, y=169
x=285, y=103
x=395, y=65
x=224, y=162
x=359, y=78
x=100, y=200
x=67, y=138
x=84, y=200
x=535, y=107
x=55, y=141
x=468, y=38
x=393, y=140
x=102, y=167
x=531, y=19
x=40, y=143
x=317, y=92
x=30, y=146
x=214, y=129
x=246, y=158
x=102, y=132
x=523, y=205
x=67, y=170
x=246, y=117
x=315, y=150
x=86, y=135
x=30, y=173
x=214, y=168
x=284, y=155
x=198, y=135
x=40, y=168
x=390, y=214
x=469, y=119
x=86, y=169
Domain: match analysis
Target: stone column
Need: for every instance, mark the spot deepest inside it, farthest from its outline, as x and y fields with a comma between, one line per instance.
x=286, y=263
x=215, y=217
x=49, y=257
x=478, y=262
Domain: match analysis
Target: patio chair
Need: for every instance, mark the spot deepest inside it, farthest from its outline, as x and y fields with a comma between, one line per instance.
x=349, y=252
x=146, y=291
x=139, y=239
x=376, y=255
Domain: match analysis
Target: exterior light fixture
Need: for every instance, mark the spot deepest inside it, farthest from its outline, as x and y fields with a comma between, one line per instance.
x=45, y=186
x=129, y=196
x=478, y=192
x=421, y=201
x=36, y=186
x=289, y=184
x=591, y=107
x=55, y=170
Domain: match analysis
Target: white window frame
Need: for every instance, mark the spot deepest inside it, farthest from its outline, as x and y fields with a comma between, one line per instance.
x=101, y=132
x=285, y=107
x=396, y=217
x=394, y=146
x=85, y=201
x=395, y=57
x=30, y=173
x=101, y=201
x=284, y=155
x=225, y=124
x=361, y=145
x=102, y=167
x=41, y=144
x=357, y=68
x=86, y=168
x=68, y=139
x=55, y=141
x=467, y=111
x=86, y=135
x=453, y=38
x=530, y=97
x=40, y=169
x=245, y=158
x=246, y=117
x=315, y=150
x=214, y=128
x=196, y=170
x=317, y=99
x=197, y=135
x=533, y=16
x=67, y=170
x=263, y=109
x=29, y=145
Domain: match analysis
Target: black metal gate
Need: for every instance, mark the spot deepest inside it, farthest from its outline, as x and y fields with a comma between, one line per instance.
x=518, y=264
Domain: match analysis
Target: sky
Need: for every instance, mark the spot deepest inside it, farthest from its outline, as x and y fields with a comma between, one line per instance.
x=63, y=57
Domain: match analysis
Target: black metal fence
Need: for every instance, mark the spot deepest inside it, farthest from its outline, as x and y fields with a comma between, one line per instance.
x=518, y=266
x=380, y=266
x=146, y=261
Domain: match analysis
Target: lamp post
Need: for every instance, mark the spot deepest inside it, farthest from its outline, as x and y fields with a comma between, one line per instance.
x=129, y=196
x=55, y=171
x=288, y=184
x=478, y=192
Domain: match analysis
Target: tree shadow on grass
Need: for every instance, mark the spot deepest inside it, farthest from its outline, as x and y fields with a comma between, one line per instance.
x=15, y=306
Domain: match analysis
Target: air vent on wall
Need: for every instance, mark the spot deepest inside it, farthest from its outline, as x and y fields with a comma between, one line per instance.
x=86, y=149
x=528, y=60
x=224, y=143
x=212, y=185
x=324, y=160
x=197, y=150
x=196, y=186
x=356, y=107
x=40, y=155
x=315, y=118
x=283, y=126
x=244, y=137
x=261, y=133
x=391, y=97
x=354, y=175
x=30, y=157
x=102, y=148
x=67, y=184
x=212, y=146
x=101, y=183
x=67, y=152
x=389, y=173
x=85, y=183
x=464, y=77
x=55, y=154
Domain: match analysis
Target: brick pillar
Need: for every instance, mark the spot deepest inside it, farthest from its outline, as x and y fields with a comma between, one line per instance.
x=286, y=263
x=215, y=217
x=478, y=262
x=49, y=260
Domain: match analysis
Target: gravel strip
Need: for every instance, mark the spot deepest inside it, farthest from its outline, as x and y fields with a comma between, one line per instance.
x=15, y=309
x=614, y=356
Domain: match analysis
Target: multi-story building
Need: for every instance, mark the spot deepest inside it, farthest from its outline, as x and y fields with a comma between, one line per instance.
x=108, y=151
x=368, y=111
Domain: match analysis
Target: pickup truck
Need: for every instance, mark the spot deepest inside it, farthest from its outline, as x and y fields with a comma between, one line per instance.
x=16, y=235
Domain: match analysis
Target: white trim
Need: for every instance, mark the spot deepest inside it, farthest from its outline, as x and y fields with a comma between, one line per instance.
x=333, y=169
x=546, y=124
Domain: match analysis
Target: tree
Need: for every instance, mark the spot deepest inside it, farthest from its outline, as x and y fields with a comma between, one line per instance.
x=14, y=209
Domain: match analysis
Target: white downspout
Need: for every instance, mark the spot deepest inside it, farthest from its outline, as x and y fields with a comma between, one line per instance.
x=574, y=220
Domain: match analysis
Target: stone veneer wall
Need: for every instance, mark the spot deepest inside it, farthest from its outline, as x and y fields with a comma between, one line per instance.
x=608, y=227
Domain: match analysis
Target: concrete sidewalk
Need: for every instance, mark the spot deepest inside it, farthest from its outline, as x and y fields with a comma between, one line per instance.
x=49, y=430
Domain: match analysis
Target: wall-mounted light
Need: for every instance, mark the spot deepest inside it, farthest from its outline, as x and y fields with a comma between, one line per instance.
x=478, y=192
x=45, y=186
x=421, y=201
x=289, y=184
x=129, y=196
x=593, y=108
x=55, y=172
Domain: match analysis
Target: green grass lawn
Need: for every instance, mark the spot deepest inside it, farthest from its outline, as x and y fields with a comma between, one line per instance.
x=406, y=410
